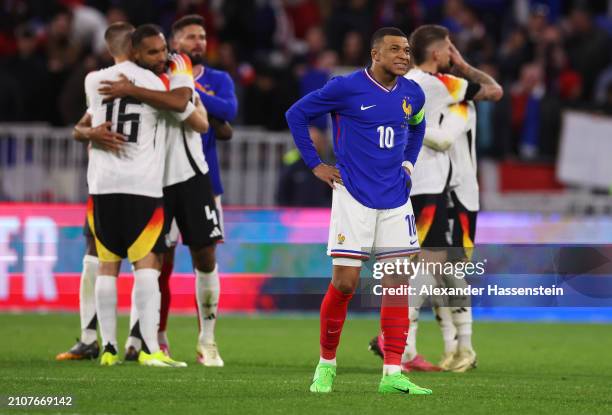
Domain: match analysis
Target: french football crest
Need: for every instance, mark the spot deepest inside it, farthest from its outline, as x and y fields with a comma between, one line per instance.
x=407, y=108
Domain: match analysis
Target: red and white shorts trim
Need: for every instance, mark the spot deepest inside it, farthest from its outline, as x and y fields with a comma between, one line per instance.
x=356, y=231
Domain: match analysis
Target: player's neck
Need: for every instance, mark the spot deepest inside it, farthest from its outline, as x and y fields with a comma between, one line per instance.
x=120, y=58
x=429, y=67
x=382, y=77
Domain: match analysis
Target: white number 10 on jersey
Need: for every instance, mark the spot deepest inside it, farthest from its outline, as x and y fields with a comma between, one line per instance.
x=386, y=137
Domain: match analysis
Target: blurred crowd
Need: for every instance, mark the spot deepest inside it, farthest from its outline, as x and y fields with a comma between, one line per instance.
x=548, y=55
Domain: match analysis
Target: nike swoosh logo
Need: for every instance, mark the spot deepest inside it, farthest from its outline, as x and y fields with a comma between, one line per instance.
x=333, y=332
x=413, y=242
x=402, y=390
x=367, y=108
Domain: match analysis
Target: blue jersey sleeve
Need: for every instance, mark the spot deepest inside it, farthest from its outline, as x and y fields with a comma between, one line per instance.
x=224, y=104
x=322, y=101
x=416, y=127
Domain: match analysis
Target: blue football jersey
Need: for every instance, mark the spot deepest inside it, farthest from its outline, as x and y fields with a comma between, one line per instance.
x=216, y=90
x=375, y=130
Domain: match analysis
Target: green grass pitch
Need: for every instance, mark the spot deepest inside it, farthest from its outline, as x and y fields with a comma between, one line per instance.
x=523, y=369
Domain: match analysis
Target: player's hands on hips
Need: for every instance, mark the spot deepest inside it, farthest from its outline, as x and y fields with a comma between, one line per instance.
x=328, y=174
x=103, y=137
x=116, y=89
x=408, y=177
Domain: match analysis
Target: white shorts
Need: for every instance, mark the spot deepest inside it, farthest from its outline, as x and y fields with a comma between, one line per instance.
x=356, y=231
x=173, y=235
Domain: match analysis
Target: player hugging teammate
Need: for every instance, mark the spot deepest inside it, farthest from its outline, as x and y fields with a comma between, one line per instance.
x=147, y=118
x=445, y=189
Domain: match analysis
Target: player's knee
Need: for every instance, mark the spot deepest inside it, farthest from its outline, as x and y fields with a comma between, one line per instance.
x=204, y=259
x=91, y=246
x=346, y=278
x=345, y=286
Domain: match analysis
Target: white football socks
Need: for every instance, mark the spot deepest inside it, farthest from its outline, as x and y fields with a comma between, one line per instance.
x=462, y=318
x=328, y=361
x=87, y=298
x=410, y=351
x=146, y=298
x=447, y=327
x=391, y=369
x=133, y=341
x=106, y=308
x=207, y=295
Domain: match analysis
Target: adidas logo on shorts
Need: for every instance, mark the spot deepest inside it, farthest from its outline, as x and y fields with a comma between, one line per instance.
x=215, y=232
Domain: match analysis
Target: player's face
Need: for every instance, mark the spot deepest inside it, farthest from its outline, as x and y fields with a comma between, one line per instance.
x=442, y=53
x=152, y=54
x=393, y=55
x=192, y=41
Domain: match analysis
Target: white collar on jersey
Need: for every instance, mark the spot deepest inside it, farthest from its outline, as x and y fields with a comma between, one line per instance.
x=202, y=69
x=378, y=84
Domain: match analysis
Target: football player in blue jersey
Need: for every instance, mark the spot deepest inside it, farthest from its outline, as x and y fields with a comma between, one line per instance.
x=378, y=126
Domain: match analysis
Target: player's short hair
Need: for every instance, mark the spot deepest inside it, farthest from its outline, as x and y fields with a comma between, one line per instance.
x=422, y=38
x=378, y=36
x=187, y=20
x=144, y=31
x=117, y=38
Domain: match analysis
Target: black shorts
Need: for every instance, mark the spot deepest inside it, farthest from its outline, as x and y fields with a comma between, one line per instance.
x=463, y=225
x=192, y=204
x=126, y=225
x=431, y=214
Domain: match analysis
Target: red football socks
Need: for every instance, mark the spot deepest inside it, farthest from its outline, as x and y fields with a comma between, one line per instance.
x=333, y=313
x=394, y=324
x=164, y=288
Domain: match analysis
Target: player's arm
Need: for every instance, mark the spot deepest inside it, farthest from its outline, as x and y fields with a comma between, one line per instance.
x=489, y=90
x=416, y=132
x=223, y=105
x=438, y=139
x=442, y=136
x=198, y=120
x=319, y=102
x=82, y=129
x=174, y=100
x=223, y=129
x=102, y=136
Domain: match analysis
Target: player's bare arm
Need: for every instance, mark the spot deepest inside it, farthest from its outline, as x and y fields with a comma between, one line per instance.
x=328, y=174
x=490, y=90
x=223, y=129
x=102, y=135
x=174, y=100
x=198, y=120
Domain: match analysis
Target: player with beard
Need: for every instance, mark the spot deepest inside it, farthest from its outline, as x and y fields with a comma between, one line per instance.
x=438, y=166
x=216, y=91
x=125, y=210
x=189, y=202
x=119, y=43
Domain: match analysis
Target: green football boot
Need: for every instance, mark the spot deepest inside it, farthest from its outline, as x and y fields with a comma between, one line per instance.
x=323, y=379
x=398, y=383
